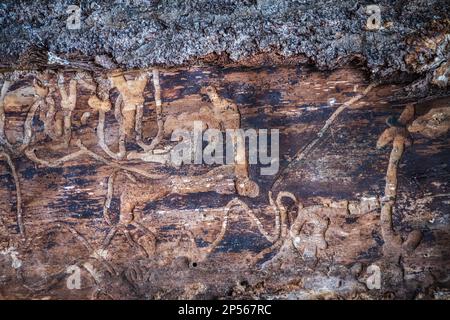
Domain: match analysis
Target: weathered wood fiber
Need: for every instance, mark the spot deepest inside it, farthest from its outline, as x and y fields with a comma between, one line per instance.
x=370, y=186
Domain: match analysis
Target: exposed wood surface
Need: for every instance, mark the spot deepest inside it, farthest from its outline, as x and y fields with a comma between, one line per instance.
x=81, y=183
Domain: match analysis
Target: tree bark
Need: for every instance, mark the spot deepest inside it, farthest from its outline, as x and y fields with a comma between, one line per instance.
x=88, y=187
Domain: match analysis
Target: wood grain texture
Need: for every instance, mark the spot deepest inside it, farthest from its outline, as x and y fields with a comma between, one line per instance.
x=139, y=227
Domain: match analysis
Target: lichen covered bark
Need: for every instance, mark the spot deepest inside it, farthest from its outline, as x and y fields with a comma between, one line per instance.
x=411, y=38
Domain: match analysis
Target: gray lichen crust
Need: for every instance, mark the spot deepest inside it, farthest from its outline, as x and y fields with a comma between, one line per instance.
x=143, y=33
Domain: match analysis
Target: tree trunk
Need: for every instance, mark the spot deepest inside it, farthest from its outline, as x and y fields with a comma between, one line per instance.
x=93, y=204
